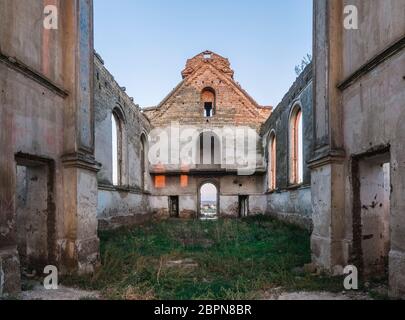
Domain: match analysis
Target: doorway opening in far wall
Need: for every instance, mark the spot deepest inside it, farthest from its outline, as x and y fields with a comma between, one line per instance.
x=174, y=206
x=208, y=202
x=243, y=206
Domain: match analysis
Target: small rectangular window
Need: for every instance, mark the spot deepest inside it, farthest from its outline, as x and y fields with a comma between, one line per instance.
x=208, y=109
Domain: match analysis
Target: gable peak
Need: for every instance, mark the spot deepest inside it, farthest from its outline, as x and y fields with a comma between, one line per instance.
x=208, y=57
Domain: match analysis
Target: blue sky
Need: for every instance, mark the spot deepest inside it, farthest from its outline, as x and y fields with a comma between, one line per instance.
x=145, y=43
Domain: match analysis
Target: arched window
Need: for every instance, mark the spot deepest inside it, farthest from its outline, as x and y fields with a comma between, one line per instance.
x=208, y=102
x=296, y=151
x=116, y=137
x=209, y=149
x=272, y=162
x=143, y=161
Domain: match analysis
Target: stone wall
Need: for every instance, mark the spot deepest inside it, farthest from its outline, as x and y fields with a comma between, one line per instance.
x=373, y=125
x=291, y=202
x=47, y=131
x=128, y=202
x=234, y=106
x=230, y=187
x=209, y=76
x=57, y=99
x=359, y=140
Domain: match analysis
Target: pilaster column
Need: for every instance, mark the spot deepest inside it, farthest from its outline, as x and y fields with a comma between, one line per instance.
x=328, y=165
x=79, y=249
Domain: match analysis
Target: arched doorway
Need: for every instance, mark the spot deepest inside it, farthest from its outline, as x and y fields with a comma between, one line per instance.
x=208, y=197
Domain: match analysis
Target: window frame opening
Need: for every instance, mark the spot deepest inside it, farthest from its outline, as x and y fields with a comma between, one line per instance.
x=243, y=206
x=209, y=149
x=296, y=152
x=272, y=162
x=117, y=135
x=144, y=161
x=208, y=110
x=208, y=96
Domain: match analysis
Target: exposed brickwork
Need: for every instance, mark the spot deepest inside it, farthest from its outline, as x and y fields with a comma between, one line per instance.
x=184, y=104
x=209, y=79
x=46, y=99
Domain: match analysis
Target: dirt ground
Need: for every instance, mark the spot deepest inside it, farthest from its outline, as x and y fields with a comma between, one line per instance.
x=65, y=293
x=279, y=295
x=62, y=293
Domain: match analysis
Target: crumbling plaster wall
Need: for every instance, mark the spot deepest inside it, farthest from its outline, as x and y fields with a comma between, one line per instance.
x=291, y=203
x=44, y=74
x=372, y=122
x=380, y=24
x=127, y=203
x=32, y=122
x=32, y=202
x=230, y=187
x=373, y=114
x=360, y=92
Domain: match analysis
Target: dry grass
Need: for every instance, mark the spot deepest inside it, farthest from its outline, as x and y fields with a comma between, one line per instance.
x=225, y=259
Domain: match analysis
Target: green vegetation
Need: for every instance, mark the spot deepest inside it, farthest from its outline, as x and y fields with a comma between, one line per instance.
x=224, y=259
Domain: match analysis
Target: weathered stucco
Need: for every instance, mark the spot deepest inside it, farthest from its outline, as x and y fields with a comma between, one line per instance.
x=290, y=202
x=128, y=202
x=292, y=206
x=56, y=160
x=47, y=122
x=360, y=89
x=233, y=108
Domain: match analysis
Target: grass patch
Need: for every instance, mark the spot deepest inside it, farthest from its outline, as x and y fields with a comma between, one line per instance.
x=225, y=259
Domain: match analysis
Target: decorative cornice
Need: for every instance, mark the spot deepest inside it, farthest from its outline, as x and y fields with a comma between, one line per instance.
x=332, y=156
x=27, y=71
x=126, y=189
x=82, y=161
x=288, y=189
x=370, y=65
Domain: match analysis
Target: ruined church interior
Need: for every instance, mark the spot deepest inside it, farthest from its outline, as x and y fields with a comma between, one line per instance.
x=79, y=156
